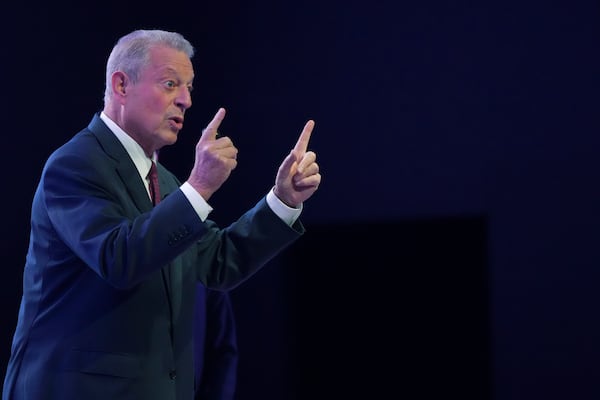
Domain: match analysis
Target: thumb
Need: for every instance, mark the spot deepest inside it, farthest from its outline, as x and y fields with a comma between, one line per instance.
x=285, y=169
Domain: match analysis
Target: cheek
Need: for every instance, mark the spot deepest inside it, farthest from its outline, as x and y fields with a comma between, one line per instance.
x=154, y=104
x=159, y=106
x=153, y=112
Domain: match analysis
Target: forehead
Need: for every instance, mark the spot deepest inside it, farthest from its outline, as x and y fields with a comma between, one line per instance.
x=165, y=60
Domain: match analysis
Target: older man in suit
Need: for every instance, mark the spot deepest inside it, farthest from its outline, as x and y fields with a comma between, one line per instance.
x=110, y=279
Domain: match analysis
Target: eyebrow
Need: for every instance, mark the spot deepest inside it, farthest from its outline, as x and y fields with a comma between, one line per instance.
x=173, y=71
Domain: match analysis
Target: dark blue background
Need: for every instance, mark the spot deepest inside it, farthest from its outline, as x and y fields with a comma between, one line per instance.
x=423, y=110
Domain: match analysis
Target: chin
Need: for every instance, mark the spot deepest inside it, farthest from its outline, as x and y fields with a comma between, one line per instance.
x=170, y=135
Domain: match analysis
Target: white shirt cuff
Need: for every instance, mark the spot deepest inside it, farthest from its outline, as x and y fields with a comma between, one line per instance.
x=200, y=205
x=287, y=214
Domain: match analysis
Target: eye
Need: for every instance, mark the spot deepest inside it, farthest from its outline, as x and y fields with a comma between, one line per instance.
x=170, y=84
x=190, y=88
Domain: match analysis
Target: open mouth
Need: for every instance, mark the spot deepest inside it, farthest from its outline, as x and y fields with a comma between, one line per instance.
x=176, y=122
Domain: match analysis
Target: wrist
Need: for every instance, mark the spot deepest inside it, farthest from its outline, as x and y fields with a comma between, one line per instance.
x=283, y=198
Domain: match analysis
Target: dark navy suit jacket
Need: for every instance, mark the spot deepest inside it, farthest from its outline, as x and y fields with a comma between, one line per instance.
x=109, y=281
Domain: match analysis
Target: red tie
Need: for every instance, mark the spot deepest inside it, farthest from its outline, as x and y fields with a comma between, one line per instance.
x=154, y=188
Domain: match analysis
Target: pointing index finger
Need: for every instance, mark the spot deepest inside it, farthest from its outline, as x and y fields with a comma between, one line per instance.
x=213, y=126
x=302, y=143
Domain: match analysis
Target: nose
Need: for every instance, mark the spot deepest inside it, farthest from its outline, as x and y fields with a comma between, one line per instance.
x=184, y=99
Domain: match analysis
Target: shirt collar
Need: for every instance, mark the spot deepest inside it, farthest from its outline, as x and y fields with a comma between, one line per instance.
x=135, y=151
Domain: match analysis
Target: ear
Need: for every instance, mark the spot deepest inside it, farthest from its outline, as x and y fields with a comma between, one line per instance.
x=119, y=82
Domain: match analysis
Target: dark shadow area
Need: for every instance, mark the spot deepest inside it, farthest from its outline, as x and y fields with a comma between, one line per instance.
x=376, y=310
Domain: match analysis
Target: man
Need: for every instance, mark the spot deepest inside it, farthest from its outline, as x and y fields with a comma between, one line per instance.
x=110, y=280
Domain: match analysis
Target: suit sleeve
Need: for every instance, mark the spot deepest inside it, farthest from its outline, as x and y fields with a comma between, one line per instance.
x=115, y=231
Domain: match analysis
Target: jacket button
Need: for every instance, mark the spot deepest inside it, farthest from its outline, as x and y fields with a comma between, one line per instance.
x=172, y=374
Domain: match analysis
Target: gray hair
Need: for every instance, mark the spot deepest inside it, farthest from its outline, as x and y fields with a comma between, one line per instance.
x=132, y=52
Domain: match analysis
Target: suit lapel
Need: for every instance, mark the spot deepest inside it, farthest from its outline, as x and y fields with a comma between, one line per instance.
x=124, y=166
x=130, y=177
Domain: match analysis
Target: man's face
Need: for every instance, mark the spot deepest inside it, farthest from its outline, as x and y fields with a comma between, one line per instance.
x=154, y=107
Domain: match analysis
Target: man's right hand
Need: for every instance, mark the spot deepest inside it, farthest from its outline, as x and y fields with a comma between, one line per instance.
x=215, y=159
